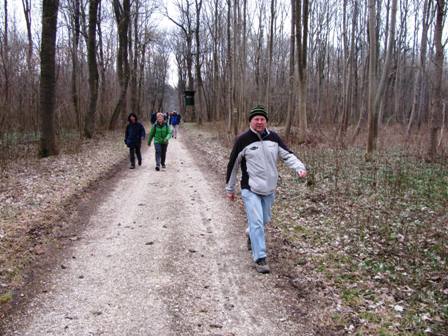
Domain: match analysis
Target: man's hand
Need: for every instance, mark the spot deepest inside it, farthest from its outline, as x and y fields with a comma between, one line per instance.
x=231, y=196
x=302, y=173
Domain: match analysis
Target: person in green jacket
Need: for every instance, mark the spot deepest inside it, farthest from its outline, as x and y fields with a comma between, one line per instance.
x=161, y=133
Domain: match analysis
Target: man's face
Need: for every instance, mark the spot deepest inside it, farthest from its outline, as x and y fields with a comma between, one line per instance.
x=132, y=119
x=258, y=123
x=160, y=118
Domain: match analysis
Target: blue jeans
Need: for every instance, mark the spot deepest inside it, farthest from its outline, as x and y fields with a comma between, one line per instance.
x=160, y=153
x=258, y=212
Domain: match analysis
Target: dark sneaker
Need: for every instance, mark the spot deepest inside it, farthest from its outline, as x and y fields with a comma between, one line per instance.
x=139, y=163
x=132, y=167
x=157, y=168
x=163, y=166
x=262, y=266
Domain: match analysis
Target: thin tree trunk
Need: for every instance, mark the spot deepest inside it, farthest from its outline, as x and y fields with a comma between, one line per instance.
x=386, y=68
x=102, y=63
x=75, y=23
x=291, y=88
x=90, y=119
x=436, y=110
x=135, y=60
x=302, y=41
x=421, y=70
x=27, y=12
x=270, y=54
x=229, y=69
x=372, y=121
x=122, y=16
x=200, y=86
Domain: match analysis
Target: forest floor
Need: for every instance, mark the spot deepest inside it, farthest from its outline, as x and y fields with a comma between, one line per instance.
x=360, y=248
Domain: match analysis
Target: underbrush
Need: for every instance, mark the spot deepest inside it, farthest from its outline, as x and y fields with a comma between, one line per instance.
x=376, y=231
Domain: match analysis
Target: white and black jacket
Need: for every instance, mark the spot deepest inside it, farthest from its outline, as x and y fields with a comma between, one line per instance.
x=257, y=154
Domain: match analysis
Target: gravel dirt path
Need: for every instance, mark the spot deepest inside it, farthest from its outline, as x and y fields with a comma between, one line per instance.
x=164, y=253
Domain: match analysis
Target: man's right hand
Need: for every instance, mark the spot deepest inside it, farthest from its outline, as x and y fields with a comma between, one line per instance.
x=231, y=196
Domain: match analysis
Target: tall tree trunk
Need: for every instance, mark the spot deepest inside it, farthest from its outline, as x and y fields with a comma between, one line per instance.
x=270, y=54
x=102, y=64
x=5, y=54
x=372, y=113
x=302, y=41
x=135, y=60
x=420, y=78
x=346, y=86
x=216, y=81
x=242, y=64
x=291, y=86
x=75, y=24
x=201, y=110
x=235, y=57
x=27, y=12
x=89, y=128
x=229, y=66
x=378, y=103
x=47, y=78
x=122, y=16
x=436, y=110
x=258, y=53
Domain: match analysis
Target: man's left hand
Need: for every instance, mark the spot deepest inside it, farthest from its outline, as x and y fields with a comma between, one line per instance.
x=302, y=173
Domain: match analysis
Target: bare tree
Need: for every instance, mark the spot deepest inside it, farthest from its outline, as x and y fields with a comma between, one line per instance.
x=89, y=126
x=301, y=47
x=436, y=109
x=201, y=110
x=372, y=117
x=27, y=12
x=291, y=86
x=47, y=78
x=272, y=21
x=185, y=24
x=122, y=16
x=420, y=82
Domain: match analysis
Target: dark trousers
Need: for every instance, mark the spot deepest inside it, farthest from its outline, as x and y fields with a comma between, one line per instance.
x=160, y=153
x=135, y=150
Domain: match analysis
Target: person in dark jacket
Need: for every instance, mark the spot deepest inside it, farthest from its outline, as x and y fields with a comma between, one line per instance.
x=135, y=133
x=256, y=152
x=153, y=117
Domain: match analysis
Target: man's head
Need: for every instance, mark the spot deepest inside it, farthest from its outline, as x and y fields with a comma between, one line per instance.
x=160, y=118
x=258, y=118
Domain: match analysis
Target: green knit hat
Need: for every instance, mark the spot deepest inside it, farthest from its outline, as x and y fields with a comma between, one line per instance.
x=258, y=110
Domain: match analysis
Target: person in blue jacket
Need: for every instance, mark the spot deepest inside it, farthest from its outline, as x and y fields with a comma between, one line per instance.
x=174, y=122
x=135, y=133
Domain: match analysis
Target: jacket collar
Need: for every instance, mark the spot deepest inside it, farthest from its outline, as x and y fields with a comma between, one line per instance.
x=260, y=135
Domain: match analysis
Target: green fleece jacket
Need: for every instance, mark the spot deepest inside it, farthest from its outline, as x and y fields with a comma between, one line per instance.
x=160, y=133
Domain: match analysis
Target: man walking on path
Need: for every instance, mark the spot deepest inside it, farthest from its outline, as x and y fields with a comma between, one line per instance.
x=175, y=121
x=135, y=133
x=256, y=151
x=161, y=133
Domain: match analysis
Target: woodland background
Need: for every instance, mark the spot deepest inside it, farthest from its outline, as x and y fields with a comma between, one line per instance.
x=345, y=67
